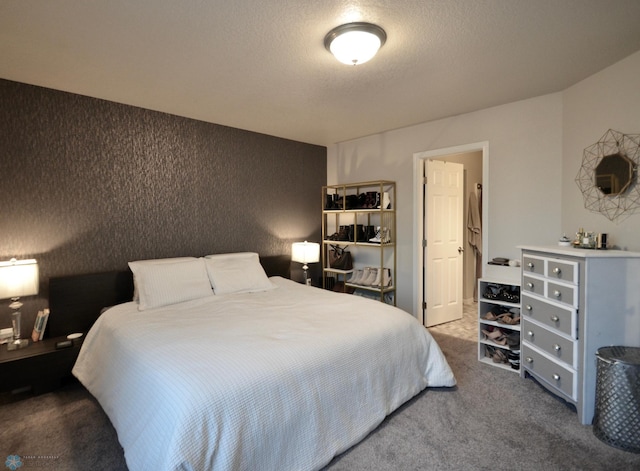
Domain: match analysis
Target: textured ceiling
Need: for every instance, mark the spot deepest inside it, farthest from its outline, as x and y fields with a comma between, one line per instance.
x=262, y=66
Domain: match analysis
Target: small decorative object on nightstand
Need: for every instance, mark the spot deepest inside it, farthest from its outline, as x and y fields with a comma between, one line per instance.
x=305, y=252
x=18, y=278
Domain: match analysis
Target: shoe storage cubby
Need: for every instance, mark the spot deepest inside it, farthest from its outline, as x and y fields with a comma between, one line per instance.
x=499, y=321
x=361, y=217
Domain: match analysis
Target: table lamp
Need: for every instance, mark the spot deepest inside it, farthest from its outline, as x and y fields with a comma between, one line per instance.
x=305, y=252
x=18, y=278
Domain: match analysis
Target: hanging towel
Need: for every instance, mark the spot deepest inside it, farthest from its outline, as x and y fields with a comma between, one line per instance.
x=474, y=225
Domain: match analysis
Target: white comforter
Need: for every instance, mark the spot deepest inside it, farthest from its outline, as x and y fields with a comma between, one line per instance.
x=277, y=380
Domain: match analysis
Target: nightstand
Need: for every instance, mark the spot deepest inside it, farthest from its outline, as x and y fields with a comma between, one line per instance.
x=40, y=366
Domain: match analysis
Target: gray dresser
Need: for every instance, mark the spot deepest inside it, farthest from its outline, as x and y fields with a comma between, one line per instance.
x=575, y=301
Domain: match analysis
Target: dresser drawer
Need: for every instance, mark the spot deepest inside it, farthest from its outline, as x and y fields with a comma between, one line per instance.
x=557, y=346
x=566, y=294
x=560, y=378
x=562, y=270
x=533, y=285
x=533, y=265
x=552, y=315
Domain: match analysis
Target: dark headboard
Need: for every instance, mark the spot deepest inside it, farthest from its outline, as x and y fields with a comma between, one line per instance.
x=76, y=301
x=277, y=265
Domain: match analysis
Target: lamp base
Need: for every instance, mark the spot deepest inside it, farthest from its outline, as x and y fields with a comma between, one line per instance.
x=17, y=344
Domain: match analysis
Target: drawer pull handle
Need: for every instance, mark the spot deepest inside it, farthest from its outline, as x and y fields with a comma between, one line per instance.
x=530, y=265
x=528, y=307
x=555, y=318
x=557, y=293
x=530, y=285
x=557, y=347
x=529, y=360
x=556, y=377
x=530, y=334
x=557, y=271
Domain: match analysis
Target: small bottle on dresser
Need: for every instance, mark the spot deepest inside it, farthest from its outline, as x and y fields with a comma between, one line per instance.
x=601, y=241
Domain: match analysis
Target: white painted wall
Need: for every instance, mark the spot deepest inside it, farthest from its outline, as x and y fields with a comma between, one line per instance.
x=523, y=191
x=609, y=99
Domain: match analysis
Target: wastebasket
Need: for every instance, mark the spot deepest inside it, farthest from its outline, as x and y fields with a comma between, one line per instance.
x=616, y=420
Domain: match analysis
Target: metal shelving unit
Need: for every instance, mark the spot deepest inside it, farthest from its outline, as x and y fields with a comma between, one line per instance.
x=352, y=215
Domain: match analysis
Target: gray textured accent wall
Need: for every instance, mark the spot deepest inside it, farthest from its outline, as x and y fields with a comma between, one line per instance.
x=87, y=185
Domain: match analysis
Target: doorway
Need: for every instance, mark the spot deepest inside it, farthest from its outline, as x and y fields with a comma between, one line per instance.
x=475, y=160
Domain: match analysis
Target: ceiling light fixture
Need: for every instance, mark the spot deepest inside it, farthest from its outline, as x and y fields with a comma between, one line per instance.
x=355, y=43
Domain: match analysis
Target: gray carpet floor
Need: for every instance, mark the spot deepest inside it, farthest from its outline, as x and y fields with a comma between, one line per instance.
x=492, y=420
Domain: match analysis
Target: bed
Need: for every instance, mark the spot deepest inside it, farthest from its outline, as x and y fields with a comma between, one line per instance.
x=215, y=366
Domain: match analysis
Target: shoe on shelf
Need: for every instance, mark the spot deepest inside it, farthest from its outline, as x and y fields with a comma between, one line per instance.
x=365, y=272
x=491, y=292
x=508, y=319
x=513, y=340
x=499, y=356
x=490, y=351
x=494, y=314
x=355, y=276
x=490, y=316
x=383, y=279
x=371, y=277
x=493, y=334
x=343, y=233
x=377, y=238
x=510, y=295
x=383, y=236
x=386, y=201
x=378, y=281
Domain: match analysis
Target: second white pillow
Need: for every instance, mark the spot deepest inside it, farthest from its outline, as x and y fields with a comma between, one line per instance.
x=239, y=272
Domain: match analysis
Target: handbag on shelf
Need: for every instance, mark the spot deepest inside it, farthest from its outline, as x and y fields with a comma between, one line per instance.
x=340, y=258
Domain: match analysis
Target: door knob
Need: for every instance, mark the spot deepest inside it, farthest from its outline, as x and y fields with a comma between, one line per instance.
x=460, y=250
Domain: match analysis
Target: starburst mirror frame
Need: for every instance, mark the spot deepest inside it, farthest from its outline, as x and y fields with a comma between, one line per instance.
x=612, y=193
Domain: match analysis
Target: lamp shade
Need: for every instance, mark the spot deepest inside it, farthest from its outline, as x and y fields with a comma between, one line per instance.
x=305, y=252
x=18, y=278
x=355, y=43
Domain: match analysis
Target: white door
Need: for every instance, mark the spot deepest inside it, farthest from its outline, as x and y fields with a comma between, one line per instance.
x=443, y=246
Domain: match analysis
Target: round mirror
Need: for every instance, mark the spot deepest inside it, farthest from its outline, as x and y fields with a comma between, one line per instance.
x=614, y=174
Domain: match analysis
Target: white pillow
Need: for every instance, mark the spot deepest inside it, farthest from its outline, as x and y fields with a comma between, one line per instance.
x=161, y=284
x=239, y=272
x=155, y=261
